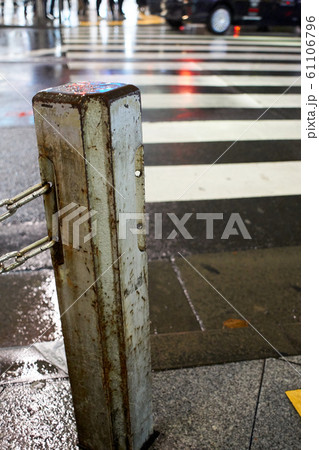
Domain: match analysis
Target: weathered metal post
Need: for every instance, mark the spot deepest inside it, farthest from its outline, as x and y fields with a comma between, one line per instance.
x=90, y=148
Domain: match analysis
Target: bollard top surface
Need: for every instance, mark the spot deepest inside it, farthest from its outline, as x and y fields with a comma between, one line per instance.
x=78, y=93
x=85, y=88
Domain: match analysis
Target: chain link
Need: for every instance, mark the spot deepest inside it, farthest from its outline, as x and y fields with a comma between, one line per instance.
x=21, y=256
x=12, y=204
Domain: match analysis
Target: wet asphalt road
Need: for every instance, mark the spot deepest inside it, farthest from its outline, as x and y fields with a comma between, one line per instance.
x=192, y=85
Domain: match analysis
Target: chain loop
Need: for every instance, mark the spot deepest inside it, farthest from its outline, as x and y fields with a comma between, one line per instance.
x=12, y=204
x=21, y=256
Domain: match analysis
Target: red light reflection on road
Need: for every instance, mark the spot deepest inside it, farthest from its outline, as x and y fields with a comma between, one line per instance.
x=183, y=115
x=185, y=78
x=185, y=73
x=187, y=90
x=236, y=31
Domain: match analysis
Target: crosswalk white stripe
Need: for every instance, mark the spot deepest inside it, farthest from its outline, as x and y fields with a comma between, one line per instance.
x=163, y=33
x=179, y=65
x=220, y=130
x=221, y=181
x=199, y=43
x=273, y=40
x=96, y=44
x=192, y=80
x=129, y=53
x=172, y=101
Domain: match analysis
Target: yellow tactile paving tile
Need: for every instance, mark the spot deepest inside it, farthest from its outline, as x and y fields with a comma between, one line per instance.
x=142, y=20
x=150, y=20
x=88, y=24
x=295, y=398
x=93, y=24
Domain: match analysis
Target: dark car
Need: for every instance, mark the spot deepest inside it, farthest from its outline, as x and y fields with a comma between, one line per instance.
x=220, y=14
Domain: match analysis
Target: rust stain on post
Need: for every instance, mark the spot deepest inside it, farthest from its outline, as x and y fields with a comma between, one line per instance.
x=90, y=148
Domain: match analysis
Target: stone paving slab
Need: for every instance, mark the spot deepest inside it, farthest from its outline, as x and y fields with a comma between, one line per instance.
x=277, y=422
x=169, y=309
x=264, y=285
x=38, y=415
x=204, y=408
x=177, y=350
x=201, y=408
x=210, y=407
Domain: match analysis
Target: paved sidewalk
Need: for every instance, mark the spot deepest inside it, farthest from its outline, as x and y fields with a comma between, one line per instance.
x=239, y=405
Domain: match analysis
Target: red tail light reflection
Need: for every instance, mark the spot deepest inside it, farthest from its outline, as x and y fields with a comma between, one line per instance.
x=236, y=31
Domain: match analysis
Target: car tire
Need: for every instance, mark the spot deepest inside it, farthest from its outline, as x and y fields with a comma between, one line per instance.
x=175, y=24
x=219, y=19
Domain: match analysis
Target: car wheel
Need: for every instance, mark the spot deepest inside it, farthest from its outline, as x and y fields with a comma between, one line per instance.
x=219, y=19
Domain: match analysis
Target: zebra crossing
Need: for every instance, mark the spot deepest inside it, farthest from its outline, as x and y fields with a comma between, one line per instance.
x=221, y=121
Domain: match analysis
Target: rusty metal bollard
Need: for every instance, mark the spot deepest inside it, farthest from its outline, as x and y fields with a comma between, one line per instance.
x=90, y=149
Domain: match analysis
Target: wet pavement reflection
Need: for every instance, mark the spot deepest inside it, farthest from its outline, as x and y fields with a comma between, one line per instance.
x=16, y=41
x=24, y=73
x=40, y=361
x=29, y=309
